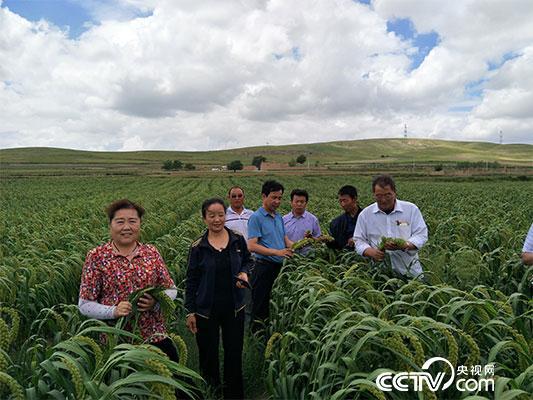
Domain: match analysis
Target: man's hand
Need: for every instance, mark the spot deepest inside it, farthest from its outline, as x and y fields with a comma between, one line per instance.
x=527, y=257
x=191, y=323
x=146, y=302
x=287, y=253
x=122, y=309
x=350, y=243
x=393, y=246
x=376, y=254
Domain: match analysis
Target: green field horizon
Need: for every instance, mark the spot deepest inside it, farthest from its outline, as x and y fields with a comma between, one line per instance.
x=327, y=157
x=367, y=150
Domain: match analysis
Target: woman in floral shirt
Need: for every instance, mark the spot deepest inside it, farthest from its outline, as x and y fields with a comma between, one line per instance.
x=116, y=269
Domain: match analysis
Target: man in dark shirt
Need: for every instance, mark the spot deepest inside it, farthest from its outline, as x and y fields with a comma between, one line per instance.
x=342, y=227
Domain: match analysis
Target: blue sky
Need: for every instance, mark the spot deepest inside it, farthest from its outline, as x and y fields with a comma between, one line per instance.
x=423, y=42
x=72, y=16
x=75, y=17
x=204, y=74
x=67, y=15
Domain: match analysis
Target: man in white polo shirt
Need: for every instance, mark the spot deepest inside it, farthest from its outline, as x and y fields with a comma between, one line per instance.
x=392, y=218
x=236, y=215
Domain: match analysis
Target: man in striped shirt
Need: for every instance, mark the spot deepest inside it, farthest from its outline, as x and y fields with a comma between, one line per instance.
x=236, y=215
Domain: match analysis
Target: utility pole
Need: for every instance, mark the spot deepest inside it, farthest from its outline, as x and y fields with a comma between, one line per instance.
x=405, y=131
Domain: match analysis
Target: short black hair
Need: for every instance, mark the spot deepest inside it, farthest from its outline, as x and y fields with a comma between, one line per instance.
x=235, y=187
x=382, y=181
x=271, y=186
x=123, y=204
x=348, y=190
x=209, y=202
x=300, y=192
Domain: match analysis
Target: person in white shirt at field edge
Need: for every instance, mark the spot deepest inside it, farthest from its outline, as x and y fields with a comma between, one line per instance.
x=392, y=218
x=527, y=250
x=237, y=215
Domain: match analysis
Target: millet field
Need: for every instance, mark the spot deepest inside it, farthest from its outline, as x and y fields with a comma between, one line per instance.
x=337, y=321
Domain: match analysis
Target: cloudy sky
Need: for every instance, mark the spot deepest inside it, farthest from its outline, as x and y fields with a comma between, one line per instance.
x=212, y=74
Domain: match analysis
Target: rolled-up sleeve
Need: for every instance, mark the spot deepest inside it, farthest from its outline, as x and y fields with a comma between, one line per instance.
x=419, y=232
x=360, y=235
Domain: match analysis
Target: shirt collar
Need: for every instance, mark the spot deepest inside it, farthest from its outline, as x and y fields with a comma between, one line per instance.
x=232, y=211
x=397, y=208
x=348, y=215
x=303, y=216
x=109, y=248
x=263, y=211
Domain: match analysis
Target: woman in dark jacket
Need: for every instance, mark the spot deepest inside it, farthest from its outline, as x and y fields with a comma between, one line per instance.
x=217, y=275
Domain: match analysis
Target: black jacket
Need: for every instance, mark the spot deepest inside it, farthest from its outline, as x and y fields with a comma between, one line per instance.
x=338, y=228
x=200, y=283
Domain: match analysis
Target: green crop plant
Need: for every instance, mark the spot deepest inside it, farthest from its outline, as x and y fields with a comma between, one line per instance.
x=337, y=320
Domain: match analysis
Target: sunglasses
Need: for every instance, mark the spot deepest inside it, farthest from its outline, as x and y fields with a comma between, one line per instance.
x=236, y=196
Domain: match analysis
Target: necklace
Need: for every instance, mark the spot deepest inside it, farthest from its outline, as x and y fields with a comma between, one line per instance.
x=215, y=241
x=126, y=255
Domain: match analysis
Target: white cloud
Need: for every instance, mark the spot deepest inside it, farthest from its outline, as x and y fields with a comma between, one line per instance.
x=132, y=144
x=196, y=75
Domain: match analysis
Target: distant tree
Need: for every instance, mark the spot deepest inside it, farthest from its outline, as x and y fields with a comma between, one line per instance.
x=292, y=163
x=301, y=159
x=167, y=165
x=235, y=165
x=177, y=165
x=257, y=161
x=438, y=167
x=189, y=167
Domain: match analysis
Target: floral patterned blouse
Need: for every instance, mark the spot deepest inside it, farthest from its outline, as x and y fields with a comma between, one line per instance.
x=109, y=278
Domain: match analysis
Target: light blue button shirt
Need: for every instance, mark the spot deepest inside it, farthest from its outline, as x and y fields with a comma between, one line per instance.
x=295, y=227
x=405, y=222
x=269, y=230
x=528, y=244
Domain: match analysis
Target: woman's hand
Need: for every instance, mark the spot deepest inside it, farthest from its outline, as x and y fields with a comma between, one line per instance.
x=244, y=277
x=191, y=323
x=146, y=302
x=122, y=309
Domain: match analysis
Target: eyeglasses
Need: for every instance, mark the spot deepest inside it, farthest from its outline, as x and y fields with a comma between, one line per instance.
x=236, y=196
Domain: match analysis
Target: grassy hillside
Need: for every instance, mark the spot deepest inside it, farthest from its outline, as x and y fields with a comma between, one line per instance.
x=371, y=150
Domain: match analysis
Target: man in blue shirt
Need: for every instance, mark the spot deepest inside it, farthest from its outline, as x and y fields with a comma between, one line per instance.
x=299, y=220
x=267, y=239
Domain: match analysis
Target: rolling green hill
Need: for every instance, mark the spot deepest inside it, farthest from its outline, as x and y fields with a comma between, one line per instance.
x=341, y=153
